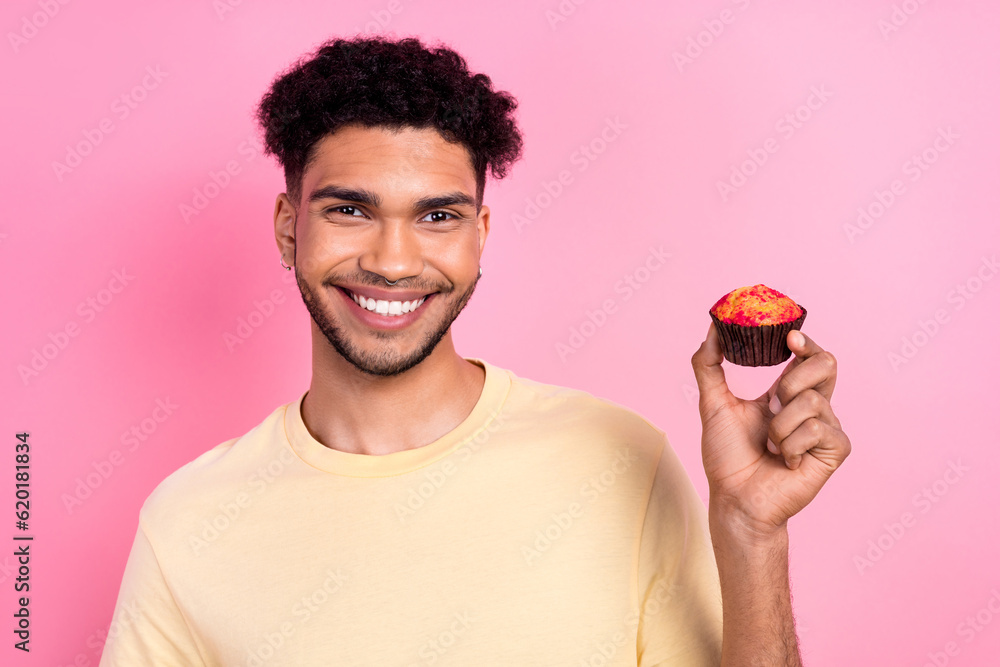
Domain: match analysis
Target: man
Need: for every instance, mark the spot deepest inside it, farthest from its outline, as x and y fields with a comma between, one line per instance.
x=415, y=507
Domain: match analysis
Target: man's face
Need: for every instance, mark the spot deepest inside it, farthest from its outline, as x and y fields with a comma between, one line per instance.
x=368, y=215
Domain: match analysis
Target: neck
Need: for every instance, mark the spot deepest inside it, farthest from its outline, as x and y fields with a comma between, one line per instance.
x=359, y=413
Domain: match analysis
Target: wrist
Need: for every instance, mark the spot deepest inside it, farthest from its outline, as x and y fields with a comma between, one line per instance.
x=729, y=523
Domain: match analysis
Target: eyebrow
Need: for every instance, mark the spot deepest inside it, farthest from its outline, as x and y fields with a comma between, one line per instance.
x=372, y=199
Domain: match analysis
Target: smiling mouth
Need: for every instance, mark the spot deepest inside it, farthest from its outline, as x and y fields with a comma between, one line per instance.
x=384, y=306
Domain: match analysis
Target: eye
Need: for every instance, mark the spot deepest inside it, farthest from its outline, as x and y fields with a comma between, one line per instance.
x=440, y=219
x=346, y=209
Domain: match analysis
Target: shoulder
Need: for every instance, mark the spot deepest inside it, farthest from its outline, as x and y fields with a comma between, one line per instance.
x=585, y=417
x=217, y=475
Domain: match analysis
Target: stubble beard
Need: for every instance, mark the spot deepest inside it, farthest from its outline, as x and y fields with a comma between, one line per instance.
x=385, y=361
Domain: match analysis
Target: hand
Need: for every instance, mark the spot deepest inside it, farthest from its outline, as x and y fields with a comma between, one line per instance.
x=751, y=487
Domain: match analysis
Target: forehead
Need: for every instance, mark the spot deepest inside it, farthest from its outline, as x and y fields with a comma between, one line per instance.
x=383, y=158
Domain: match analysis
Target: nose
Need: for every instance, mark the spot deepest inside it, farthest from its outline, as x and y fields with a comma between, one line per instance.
x=393, y=252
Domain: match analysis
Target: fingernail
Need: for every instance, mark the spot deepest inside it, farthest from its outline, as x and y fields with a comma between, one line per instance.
x=771, y=447
x=775, y=404
x=798, y=339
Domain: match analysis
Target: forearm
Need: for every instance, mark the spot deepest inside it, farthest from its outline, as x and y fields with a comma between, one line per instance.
x=757, y=623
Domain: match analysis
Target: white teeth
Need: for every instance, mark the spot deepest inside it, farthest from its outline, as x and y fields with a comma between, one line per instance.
x=390, y=308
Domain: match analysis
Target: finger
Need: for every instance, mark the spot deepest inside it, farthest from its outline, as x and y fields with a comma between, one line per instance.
x=809, y=404
x=707, y=364
x=814, y=369
x=770, y=397
x=795, y=345
x=826, y=445
x=793, y=342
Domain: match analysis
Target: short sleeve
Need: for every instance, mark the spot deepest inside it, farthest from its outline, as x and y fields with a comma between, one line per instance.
x=147, y=628
x=680, y=621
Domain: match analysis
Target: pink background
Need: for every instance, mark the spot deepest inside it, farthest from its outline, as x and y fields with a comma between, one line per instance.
x=867, y=588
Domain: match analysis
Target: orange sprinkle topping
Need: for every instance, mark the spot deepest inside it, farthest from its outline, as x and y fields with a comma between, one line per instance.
x=755, y=306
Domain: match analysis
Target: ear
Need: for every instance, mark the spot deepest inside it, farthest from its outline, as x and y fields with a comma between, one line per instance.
x=483, y=225
x=284, y=227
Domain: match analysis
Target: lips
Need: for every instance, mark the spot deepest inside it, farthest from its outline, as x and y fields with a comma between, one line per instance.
x=383, y=314
x=383, y=295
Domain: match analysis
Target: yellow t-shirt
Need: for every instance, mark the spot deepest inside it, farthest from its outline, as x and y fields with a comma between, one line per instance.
x=549, y=528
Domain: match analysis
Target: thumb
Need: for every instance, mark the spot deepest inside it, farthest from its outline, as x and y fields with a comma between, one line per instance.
x=707, y=364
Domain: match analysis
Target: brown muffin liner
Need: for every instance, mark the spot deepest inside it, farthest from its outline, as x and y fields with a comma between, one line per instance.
x=756, y=346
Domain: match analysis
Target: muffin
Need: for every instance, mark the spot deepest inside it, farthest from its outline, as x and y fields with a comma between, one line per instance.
x=753, y=324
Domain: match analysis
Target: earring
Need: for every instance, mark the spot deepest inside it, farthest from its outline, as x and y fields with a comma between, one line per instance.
x=287, y=268
x=480, y=272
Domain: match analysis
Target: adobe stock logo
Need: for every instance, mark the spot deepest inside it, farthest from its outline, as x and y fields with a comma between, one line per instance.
x=593, y=488
x=435, y=647
x=433, y=479
x=914, y=168
x=381, y=18
x=958, y=297
x=245, y=327
x=122, y=107
x=786, y=126
x=703, y=39
x=923, y=501
x=30, y=25
x=968, y=629
x=223, y=7
x=269, y=644
x=230, y=511
x=627, y=287
x=88, y=309
x=105, y=467
x=218, y=181
x=899, y=17
x=581, y=158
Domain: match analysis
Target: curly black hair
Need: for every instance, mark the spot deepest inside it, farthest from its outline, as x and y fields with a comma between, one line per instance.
x=377, y=82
